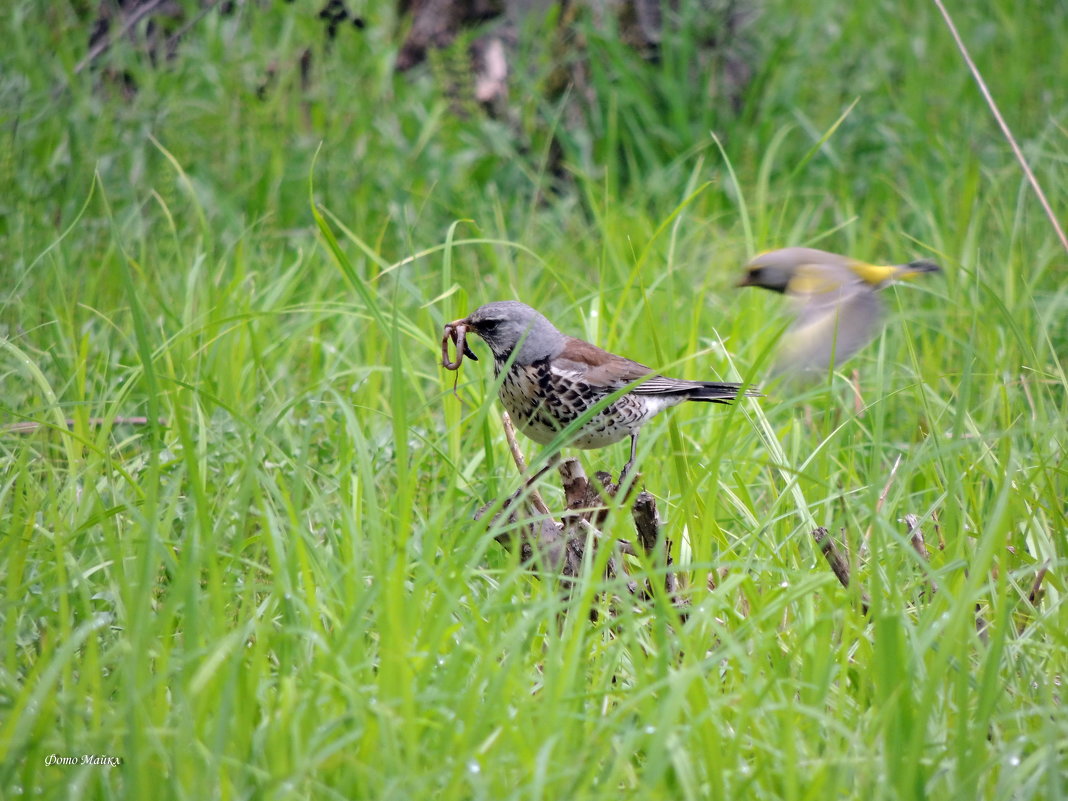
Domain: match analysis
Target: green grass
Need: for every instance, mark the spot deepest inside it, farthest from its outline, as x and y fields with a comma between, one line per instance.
x=278, y=591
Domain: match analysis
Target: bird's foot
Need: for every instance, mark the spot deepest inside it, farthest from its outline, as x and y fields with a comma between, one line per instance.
x=626, y=472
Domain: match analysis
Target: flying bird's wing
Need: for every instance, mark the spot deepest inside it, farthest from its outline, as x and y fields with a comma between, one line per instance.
x=837, y=314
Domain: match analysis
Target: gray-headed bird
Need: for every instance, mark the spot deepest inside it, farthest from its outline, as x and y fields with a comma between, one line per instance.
x=835, y=297
x=551, y=379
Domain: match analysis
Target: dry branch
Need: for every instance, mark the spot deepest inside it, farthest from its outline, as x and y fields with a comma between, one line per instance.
x=560, y=546
x=1036, y=589
x=913, y=524
x=838, y=563
x=647, y=524
x=981, y=625
x=521, y=464
x=938, y=530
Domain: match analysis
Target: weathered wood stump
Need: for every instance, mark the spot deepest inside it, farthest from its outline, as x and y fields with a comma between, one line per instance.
x=560, y=546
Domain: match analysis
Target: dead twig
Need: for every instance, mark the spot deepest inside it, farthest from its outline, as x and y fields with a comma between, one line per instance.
x=838, y=563
x=521, y=465
x=647, y=524
x=938, y=530
x=1034, y=597
x=561, y=547
x=30, y=426
x=526, y=492
x=889, y=483
x=580, y=495
x=584, y=502
x=981, y=625
x=913, y=524
x=1036, y=588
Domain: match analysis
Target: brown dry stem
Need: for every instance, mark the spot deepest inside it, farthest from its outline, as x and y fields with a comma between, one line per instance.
x=1036, y=589
x=838, y=563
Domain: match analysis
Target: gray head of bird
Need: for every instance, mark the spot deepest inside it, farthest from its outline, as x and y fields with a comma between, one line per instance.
x=770, y=271
x=505, y=324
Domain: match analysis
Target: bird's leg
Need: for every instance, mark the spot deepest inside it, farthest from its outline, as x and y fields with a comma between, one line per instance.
x=633, y=455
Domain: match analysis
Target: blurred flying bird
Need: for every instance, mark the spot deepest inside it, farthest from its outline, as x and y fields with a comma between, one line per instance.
x=836, y=305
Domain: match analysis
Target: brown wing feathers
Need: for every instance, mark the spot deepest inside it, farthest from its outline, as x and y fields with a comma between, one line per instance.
x=601, y=368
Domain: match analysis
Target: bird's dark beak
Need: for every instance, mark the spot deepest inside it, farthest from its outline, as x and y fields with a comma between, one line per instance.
x=747, y=280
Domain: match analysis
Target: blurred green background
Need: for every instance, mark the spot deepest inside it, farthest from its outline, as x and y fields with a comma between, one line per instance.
x=278, y=591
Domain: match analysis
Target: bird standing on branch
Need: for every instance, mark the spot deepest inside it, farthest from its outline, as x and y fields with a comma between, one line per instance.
x=551, y=379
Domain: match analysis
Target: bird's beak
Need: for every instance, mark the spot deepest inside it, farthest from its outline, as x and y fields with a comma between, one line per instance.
x=747, y=280
x=465, y=326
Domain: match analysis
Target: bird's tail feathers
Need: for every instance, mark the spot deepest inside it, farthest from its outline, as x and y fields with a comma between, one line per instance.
x=720, y=392
x=914, y=268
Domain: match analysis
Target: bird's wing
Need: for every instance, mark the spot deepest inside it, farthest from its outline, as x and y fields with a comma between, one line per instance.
x=607, y=371
x=596, y=366
x=837, y=313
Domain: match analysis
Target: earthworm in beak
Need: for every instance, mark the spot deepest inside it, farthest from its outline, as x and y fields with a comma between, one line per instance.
x=457, y=332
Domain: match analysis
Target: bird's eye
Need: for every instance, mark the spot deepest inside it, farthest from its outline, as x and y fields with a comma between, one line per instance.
x=489, y=325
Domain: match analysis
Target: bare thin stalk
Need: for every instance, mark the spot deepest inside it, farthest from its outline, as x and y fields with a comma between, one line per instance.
x=521, y=464
x=1004, y=125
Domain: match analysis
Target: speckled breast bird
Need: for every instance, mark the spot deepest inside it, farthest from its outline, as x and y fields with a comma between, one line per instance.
x=554, y=378
x=837, y=308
